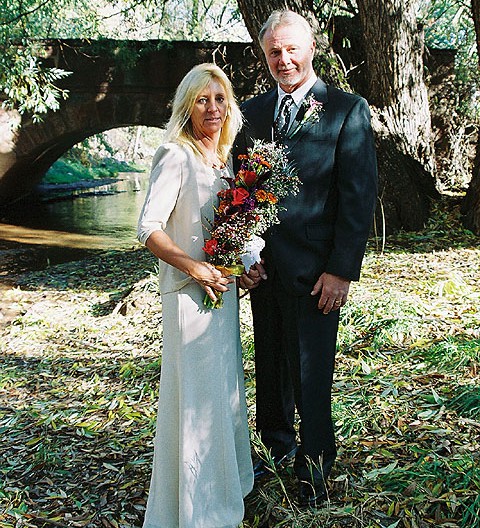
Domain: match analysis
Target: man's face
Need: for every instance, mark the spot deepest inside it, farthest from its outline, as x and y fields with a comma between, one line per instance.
x=289, y=52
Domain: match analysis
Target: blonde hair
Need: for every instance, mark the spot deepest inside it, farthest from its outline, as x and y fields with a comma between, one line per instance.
x=179, y=127
x=285, y=17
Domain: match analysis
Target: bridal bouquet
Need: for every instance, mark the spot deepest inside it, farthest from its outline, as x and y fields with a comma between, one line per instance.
x=248, y=208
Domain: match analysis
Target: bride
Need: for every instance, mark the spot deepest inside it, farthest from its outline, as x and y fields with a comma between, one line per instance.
x=202, y=466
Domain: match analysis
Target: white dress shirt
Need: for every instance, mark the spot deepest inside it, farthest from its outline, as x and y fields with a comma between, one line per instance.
x=298, y=96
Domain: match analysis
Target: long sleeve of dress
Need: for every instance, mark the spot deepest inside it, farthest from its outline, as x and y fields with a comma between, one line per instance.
x=162, y=195
x=179, y=188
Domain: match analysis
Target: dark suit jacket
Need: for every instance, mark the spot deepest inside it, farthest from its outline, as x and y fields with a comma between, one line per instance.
x=325, y=227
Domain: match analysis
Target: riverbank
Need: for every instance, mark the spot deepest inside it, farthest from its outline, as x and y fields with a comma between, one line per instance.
x=23, y=250
x=67, y=222
x=51, y=191
x=79, y=370
x=87, y=215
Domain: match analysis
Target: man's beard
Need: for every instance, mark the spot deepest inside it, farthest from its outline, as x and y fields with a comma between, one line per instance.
x=288, y=80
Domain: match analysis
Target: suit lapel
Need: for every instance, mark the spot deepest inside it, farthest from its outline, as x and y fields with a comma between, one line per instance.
x=319, y=92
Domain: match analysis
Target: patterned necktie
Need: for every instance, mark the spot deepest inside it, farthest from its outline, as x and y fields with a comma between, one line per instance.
x=280, y=126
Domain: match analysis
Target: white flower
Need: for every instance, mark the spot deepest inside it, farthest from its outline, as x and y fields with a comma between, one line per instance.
x=252, y=251
x=312, y=113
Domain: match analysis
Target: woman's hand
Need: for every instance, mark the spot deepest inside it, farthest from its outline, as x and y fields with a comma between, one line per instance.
x=209, y=278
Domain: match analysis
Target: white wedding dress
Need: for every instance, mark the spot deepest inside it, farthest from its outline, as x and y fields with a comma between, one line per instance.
x=202, y=465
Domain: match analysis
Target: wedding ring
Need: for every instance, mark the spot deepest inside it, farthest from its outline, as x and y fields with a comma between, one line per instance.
x=338, y=302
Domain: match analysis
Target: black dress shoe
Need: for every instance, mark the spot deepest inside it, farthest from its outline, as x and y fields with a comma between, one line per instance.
x=262, y=468
x=311, y=495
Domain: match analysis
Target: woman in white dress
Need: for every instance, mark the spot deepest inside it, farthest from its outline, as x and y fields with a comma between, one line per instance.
x=202, y=466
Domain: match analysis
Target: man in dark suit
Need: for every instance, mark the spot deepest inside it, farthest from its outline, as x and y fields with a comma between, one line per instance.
x=311, y=257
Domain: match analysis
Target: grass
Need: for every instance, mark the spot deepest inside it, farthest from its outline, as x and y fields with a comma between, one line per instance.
x=67, y=170
x=78, y=391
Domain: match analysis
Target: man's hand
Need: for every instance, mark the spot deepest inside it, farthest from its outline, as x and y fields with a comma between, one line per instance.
x=333, y=292
x=253, y=277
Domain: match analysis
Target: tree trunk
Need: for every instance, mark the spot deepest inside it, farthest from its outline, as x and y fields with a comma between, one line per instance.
x=400, y=113
x=394, y=54
x=471, y=202
x=394, y=49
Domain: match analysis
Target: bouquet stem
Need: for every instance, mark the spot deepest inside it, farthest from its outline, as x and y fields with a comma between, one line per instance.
x=218, y=303
x=227, y=271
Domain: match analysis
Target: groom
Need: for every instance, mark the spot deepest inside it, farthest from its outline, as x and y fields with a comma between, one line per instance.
x=312, y=255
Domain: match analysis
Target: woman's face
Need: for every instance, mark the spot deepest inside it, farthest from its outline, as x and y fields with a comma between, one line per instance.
x=209, y=110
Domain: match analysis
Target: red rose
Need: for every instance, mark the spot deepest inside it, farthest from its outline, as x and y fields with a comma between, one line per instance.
x=210, y=246
x=239, y=196
x=248, y=177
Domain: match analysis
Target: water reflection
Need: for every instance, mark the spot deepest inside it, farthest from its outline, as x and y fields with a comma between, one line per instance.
x=90, y=217
x=69, y=224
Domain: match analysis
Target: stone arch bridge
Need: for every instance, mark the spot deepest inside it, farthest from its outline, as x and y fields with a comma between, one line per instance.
x=113, y=84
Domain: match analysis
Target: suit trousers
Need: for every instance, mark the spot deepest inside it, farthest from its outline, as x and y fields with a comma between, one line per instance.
x=295, y=346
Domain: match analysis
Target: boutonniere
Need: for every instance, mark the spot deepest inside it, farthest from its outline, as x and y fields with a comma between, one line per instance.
x=311, y=109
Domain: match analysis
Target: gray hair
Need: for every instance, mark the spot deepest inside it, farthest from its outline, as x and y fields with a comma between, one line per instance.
x=284, y=17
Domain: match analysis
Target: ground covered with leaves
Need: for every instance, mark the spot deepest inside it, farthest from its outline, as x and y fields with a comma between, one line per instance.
x=81, y=359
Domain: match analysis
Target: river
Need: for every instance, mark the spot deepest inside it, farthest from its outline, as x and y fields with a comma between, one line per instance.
x=63, y=224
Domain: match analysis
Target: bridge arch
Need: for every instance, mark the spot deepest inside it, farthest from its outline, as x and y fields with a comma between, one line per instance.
x=114, y=84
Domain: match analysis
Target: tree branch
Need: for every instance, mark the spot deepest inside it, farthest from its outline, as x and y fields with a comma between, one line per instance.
x=27, y=13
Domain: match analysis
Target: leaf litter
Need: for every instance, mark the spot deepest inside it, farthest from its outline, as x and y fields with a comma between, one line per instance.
x=81, y=360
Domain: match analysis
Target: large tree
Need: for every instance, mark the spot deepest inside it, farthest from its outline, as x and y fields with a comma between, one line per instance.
x=471, y=203
x=393, y=49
